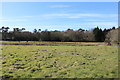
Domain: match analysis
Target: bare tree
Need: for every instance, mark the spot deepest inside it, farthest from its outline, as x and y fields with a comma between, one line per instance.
x=112, y=36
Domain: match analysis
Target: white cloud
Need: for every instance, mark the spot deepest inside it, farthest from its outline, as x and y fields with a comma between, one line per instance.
x=89, y=25
x=100, y=24
x=73, y=15
x=83, y=15
x=104, y=23
x=28, y=16
x=59, y=6
x=60, y=0
x=13, y=20
x=55, y=15
x=79, y=15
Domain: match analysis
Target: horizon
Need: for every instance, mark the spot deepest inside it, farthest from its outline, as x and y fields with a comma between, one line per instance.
x=59, y=15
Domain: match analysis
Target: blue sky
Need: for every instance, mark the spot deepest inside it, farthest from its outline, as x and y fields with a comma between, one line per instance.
x=59, y=15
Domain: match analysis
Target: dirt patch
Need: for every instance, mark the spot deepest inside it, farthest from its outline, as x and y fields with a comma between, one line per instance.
x=52, y=44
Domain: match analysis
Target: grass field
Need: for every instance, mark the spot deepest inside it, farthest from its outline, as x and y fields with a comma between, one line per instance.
x=31, y=61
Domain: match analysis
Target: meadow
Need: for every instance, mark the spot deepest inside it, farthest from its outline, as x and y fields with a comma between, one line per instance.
x=66, y=60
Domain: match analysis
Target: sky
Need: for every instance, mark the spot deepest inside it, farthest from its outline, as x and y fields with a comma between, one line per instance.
x=59, y=15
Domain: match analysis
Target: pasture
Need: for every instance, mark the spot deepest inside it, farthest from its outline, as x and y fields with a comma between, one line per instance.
x=66, y=60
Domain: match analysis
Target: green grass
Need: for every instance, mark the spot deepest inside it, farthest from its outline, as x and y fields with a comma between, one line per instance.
x=30, y=61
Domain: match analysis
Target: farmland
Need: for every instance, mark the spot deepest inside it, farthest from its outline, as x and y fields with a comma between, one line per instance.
x=59, y=60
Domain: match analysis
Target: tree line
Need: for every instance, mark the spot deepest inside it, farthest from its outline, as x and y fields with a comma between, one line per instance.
x=69, y=35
